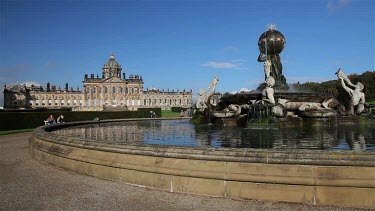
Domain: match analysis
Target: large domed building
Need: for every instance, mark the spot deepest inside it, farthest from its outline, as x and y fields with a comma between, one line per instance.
x=111, y=91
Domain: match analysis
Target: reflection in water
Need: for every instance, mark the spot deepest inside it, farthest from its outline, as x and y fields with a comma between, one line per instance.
x=181, y=133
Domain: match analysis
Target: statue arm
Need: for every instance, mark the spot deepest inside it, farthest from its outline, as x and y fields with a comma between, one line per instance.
x=261, y=58
x=362, y=100
x=345, y=87
x=349, y=82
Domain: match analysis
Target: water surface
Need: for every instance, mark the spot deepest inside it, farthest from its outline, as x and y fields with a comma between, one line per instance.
x=182, y=133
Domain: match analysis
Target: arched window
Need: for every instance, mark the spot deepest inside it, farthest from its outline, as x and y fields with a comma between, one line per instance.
x=113, y=89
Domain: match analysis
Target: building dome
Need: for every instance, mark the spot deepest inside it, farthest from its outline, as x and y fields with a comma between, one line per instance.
x=112, y=63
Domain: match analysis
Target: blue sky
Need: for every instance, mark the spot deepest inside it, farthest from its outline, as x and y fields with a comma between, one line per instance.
x=182, y=44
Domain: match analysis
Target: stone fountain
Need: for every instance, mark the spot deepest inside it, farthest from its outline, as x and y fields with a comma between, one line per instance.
x=275, y=105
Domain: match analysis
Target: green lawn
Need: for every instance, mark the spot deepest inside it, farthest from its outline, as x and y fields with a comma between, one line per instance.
x=164, y=113
x=15, y=131
x=169, y=113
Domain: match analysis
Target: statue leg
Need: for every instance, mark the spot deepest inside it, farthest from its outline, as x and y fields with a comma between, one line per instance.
x=351, y=111
x=360, y=108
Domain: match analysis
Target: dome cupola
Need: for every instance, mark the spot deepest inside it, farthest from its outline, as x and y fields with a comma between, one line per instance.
x=112, y=68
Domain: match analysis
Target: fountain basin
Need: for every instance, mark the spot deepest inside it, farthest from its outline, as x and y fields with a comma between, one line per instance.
x=342, y=178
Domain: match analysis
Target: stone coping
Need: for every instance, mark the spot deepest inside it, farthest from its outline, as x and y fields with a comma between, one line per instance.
x=250, y=155
x=341, y=178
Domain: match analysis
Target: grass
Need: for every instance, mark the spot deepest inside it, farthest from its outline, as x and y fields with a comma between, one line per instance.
x=169, y=113
x=164, y=113
x=4, y=132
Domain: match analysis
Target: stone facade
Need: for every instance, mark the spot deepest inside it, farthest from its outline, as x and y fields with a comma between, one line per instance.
x=108, y=92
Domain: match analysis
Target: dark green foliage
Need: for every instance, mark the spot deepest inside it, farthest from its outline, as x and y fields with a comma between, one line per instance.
x=334, y=87
x=145, y=112
x=178, y=109
x=19, y=120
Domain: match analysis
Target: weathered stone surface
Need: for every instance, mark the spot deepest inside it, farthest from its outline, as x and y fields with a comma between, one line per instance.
x=294, y=175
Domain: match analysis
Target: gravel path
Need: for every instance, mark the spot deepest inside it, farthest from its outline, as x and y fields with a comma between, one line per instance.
x=28, y=184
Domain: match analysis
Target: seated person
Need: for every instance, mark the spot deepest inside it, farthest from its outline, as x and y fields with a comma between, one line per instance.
x=60, y=119
x=50, y=120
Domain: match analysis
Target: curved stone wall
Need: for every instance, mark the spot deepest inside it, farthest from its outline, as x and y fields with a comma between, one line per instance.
x=342, y=178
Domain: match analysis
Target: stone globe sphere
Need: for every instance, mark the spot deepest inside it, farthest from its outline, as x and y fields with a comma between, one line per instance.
x=271, y=42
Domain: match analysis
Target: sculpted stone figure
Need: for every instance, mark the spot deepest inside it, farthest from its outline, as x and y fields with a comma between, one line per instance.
x=267, y=69
x=357, y=97
x=205, y=96
x=268, y=92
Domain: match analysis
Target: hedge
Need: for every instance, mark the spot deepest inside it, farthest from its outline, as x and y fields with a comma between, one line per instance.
x=178, y=109
x=21, y=120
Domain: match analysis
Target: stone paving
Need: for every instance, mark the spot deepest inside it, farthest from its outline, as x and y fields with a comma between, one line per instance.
x=28, y=184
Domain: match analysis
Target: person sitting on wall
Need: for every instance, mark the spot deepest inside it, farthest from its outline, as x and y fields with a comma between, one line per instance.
x=60, y=119
x=152, y=114
x=182, y=114
x=50, y=120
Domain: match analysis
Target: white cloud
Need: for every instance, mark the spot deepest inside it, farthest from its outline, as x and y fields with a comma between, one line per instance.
x=333, y=5
x=230, y=48
x=234, y=64
x=225, y=65
x=241, y=90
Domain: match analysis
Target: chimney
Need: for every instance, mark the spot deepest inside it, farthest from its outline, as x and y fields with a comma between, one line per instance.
x=48, y=87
